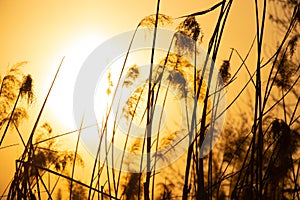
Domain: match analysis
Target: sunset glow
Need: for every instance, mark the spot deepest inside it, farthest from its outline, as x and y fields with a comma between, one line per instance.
x=75, y=55
x=153, y=100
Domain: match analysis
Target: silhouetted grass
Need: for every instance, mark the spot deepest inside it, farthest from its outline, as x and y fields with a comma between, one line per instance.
x=258, y=153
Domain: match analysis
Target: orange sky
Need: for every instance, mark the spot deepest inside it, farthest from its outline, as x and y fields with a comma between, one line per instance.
x=42, y=32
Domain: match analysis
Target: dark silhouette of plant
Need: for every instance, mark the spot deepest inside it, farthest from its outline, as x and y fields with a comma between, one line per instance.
x=224, y=71
x=165, y=191
x=78, y=192
x=150, y=20
x=258, y=156
x=280, y=166
x=188, y=33
x=131, y=76
x=13, y=86
x=285, y=72
x=47, y=155
x=131, y=187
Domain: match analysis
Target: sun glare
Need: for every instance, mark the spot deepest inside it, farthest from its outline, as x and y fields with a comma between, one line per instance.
x=61, y=98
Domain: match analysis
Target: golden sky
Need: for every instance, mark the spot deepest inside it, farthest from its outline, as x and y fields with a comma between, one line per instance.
x=42, y=32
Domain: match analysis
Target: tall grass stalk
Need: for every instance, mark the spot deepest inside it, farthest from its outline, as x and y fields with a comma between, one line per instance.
x=75, y=155
x=150, y=109
x=28, y=152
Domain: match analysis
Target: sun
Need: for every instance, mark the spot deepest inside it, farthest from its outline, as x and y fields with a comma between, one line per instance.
x=61, y=97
